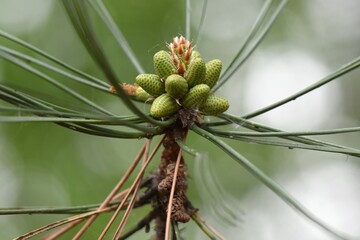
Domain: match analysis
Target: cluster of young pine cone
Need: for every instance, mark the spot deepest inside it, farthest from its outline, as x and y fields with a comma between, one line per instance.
x=182, y=80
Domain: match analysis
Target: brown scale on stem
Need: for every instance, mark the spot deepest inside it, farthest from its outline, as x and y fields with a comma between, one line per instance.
x=170, y=152
x=178, y=212
x=163, y=179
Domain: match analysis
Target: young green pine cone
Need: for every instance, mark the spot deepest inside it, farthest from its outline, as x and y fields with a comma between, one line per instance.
x=213, y=69
x=195, y=74
x=214, y=105
x=196, y=96
x=163, y=64
x=141, y=94
x=151, y=83
x=164, y=106
x=195, y=54
x=176, y=86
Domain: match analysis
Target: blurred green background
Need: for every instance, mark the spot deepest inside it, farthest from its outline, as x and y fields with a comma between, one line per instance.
x=42, y=164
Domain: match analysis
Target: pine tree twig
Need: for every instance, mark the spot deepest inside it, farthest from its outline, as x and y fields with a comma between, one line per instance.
x=131, y=189
x=134, y=197
x=113, y=192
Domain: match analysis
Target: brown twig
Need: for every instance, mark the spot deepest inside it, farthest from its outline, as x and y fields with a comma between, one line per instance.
x=74, y=221
x=120, y=195
x=169, y=209
x=132, y=201
x=62, y=222
x=131, y=189
x=112, y=193
x=62, y=230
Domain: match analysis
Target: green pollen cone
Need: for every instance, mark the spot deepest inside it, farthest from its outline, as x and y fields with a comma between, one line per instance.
x=213, y=70
x=195, y=54
x=164, y=106
x=163, y=64
x=195, y=74
x=151, y=83
x=176, y=86
x=214, y=105
x=141, y=94
x=196, y=96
